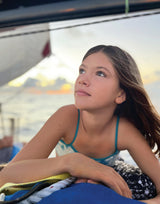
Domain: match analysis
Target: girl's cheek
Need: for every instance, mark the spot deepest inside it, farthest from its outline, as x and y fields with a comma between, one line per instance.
x=77, y=81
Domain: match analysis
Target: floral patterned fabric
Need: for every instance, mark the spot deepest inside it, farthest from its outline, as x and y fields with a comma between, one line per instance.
x=140, y=184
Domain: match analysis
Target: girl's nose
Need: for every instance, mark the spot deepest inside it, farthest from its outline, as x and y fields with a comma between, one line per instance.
x=84, y=81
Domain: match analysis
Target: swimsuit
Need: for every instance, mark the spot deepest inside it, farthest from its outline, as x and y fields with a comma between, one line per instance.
x=62, y=148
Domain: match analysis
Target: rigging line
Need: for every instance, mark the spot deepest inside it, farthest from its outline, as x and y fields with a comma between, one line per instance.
x=2, y=120
x=13, y=96
x=1, y=111
x=80, y=24
x=126, y=6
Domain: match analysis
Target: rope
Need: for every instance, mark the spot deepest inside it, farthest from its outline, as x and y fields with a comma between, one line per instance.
x=83, y=24
x=38, y=196
x=2, y=197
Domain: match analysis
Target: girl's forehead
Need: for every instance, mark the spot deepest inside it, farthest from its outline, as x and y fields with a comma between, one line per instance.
x=98, y=59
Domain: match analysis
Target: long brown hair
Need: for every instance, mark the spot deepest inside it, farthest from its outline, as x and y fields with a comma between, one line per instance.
x=137, y=108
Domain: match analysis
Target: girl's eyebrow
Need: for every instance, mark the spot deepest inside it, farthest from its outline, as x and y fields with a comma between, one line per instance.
x=82, y=65
x=99, y=67
x=105, y=68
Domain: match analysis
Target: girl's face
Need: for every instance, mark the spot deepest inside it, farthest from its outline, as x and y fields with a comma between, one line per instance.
x=97, y=86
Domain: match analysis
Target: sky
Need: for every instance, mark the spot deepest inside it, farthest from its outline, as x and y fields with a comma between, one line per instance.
x=139, y=36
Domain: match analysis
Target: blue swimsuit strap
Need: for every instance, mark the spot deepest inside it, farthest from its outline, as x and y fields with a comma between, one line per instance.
x=116, y=134
x=76, y=130
x=116, y=149
x=98, y=159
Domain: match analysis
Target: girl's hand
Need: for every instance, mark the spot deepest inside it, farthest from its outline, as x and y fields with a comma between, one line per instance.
x=84, y=180
x=81, y=166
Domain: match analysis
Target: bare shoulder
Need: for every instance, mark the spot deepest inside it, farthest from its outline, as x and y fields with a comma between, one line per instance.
x=128, y=135
x=55, y=128
x=66, y=113
x=66, y=116
x=68, y=108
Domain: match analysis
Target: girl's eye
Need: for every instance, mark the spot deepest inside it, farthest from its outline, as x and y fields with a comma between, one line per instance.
x=81, y=71
x=101, y=74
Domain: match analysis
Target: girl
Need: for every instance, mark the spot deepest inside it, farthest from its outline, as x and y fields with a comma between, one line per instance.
x=112, y=112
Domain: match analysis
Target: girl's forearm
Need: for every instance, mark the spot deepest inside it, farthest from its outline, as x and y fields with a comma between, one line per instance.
x=31, y=170
x=35, y=169
x=75, y=164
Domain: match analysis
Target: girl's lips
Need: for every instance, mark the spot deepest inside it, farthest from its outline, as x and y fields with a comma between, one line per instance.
x=82, y=93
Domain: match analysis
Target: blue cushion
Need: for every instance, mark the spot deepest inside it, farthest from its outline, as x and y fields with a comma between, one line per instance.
x=15, y=150
x=86, y=193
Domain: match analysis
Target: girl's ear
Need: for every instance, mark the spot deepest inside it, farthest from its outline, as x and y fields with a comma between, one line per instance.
x=121, y=97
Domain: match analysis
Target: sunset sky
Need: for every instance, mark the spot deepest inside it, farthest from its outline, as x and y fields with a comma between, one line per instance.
x=139, y=36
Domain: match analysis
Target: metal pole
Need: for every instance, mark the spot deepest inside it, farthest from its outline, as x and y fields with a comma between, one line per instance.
x=2, y=121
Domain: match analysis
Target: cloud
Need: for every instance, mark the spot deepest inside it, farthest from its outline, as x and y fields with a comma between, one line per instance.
x=157, y=73
x=151, y=77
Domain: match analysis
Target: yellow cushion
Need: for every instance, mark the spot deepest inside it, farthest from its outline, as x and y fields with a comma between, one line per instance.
x=10, y=188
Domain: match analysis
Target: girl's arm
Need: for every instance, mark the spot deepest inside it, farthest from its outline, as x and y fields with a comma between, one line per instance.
x=33, y=154
x=32, y=162
x=32, y=170
x=139, y=149
x=46, y=139
x=76, y=164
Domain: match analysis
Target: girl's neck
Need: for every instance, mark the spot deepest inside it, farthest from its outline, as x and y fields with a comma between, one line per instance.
x=94, y=123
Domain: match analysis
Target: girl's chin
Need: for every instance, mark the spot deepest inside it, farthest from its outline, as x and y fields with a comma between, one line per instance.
x=81, y=106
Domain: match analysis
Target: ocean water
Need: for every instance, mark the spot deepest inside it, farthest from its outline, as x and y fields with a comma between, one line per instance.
x=30, y=110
